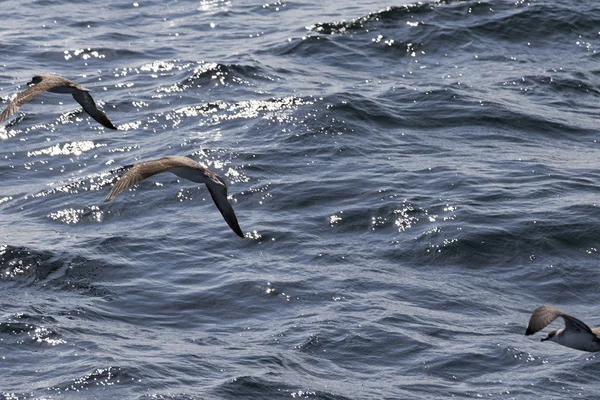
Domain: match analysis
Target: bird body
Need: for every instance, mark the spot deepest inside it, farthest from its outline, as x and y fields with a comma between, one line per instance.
x=56, y=84
x=576, y=334
x=184, y=168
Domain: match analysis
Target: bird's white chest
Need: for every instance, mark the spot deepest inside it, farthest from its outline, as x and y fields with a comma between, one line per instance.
x=580, y=341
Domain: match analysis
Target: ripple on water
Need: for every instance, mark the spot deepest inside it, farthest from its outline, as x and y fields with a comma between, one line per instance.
x=403, y=215
x=23, y=265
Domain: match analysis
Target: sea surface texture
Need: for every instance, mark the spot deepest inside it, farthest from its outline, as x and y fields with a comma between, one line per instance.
x=412, y=181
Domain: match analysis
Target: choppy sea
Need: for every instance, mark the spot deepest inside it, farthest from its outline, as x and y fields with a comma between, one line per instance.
x=413, y=180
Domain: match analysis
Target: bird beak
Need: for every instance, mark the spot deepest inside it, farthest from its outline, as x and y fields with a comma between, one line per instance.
x=543, y=340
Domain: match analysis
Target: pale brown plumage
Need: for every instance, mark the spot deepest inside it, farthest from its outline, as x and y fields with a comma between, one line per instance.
x=57, y=84
x=184, y=168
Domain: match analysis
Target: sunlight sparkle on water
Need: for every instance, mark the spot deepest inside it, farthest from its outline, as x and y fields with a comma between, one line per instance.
x=73, y=216
x=75, y=148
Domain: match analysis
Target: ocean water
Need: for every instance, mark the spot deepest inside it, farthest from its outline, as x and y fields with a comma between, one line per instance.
x=413, y=180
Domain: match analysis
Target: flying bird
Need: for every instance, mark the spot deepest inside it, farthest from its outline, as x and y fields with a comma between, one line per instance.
x=576, y=334
x=184, y=168
x=56, y=84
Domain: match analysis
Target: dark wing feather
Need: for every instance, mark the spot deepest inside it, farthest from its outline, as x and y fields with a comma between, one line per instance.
x=572, y=323
x=218, y=192
x=87, y=102
x=544, y=315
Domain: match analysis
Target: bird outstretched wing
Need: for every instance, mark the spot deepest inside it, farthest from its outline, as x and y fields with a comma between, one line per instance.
x=87, y=102
x=25, y=97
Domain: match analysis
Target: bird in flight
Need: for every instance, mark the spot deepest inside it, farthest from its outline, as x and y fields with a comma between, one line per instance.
x=576, y=334
x=56, y=84
x=184, y=168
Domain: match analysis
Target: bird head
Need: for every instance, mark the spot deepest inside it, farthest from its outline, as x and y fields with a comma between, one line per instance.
x=35, y=80
x=551, y=336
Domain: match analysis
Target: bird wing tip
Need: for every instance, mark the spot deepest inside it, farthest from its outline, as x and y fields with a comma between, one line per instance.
x=529, y=331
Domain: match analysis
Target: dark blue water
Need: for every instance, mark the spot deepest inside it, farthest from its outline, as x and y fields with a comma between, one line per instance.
x=413, y=181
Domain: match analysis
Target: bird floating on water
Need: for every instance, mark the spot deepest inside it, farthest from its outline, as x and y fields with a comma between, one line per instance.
x=184, y=168
x=56, y=84
x=576, y=334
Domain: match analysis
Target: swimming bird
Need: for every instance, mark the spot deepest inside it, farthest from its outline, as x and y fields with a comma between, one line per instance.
x=575, y=334
x=184, y=168
x=56, y=84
